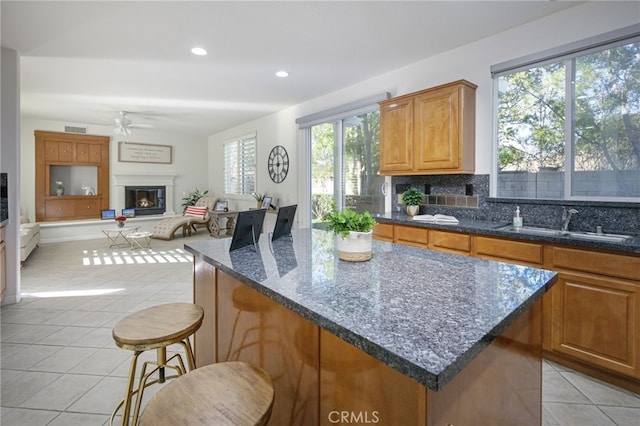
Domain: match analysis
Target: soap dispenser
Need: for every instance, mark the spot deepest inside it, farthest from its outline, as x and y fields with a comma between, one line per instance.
x=517, y=219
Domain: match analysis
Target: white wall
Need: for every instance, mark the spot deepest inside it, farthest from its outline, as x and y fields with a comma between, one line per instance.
x=471, y=62
x=9, y=160
x=189, y=165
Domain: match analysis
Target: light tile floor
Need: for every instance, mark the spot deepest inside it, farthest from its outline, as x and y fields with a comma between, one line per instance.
x=60, y=367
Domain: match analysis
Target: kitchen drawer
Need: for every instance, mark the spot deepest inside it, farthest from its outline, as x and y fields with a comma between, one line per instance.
x=383, y=232
x=530, y=253
x=411, y=236
x=87, y=208
x=450, y=241
x=58, y=209
x=615, y=265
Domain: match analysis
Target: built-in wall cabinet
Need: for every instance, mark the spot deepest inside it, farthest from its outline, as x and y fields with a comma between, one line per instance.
x=429, y=132
x=81, y=163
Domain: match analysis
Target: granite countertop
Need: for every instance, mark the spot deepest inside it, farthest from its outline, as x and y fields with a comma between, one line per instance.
x=425, y=313
x=487, y=227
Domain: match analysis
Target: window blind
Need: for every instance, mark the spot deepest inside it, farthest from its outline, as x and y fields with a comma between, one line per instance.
x=240, y=165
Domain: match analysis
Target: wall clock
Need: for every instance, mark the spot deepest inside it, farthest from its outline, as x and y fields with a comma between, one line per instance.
x=278, y=164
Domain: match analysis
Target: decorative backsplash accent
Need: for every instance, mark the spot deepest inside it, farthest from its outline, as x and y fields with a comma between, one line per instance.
x=449, y=194
x=461, y=201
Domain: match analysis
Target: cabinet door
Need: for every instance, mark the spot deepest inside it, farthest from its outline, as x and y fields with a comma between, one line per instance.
x=596, y=321
x=87, y=208
x=57, y=151
x=88, y=153
x=383, y=232
x=511, y=251
x=58, y=209
x=396, y=135
x=411, y=236
x=436, y=139
x=453, y=242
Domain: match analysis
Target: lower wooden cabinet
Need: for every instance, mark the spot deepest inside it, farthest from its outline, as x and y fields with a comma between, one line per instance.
x=383, y=232
x=453, y=242
x=591, y=316
x=509, y=251
x=79, y=207
x=596, y=320
x=411, y=236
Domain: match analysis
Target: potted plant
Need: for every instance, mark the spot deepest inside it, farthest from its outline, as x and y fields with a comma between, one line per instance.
x=353, y=233
x=192, y=198
x=59, y=188
x=259, y=196
x=412, y=199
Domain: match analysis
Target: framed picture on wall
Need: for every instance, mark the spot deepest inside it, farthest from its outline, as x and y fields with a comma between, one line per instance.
x=221, y=206
x=108, y=214
x=266, y=202
x=128, y=213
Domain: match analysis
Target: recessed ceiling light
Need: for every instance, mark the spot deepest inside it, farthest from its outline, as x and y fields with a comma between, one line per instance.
x=282, y=74
x=198, y=51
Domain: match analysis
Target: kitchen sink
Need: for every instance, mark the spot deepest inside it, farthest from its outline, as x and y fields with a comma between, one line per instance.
x=591, y=236
x=530, y=230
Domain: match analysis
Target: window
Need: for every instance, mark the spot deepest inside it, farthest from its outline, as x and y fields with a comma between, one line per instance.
x=345, y=159
x=240, y=166
x=568, y=122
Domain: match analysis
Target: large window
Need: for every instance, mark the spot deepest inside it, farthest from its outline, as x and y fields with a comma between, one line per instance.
x=240, y=166
x=343, y=150
x=568, y=124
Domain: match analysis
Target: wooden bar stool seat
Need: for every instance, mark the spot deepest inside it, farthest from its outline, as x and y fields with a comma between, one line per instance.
x=229, y=393
x=155, y=328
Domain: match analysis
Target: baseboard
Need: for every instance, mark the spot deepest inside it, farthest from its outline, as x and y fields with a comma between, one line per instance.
x=77, y=230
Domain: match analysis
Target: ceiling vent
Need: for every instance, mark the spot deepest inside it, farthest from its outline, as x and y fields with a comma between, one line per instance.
x=74, y=129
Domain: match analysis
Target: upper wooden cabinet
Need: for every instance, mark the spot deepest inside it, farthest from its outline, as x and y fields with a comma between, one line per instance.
x=68, y=151
x=429, y=132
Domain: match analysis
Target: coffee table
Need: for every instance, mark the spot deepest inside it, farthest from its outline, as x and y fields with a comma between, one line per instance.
x=117, y=237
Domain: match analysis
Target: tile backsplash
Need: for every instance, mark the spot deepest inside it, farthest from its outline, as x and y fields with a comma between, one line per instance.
x=467, y=197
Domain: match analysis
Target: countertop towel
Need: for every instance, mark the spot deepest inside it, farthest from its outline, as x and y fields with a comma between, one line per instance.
x=438, y=218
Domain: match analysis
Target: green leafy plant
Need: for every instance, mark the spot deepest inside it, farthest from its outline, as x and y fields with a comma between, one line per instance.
x=259, y=196
x=342, y=222
x=192, y=198
x=412, y=197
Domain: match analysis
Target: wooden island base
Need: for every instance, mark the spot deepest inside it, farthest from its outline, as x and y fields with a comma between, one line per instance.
x=322, y=380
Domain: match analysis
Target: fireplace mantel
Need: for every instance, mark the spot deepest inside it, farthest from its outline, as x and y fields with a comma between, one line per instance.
x=122, y=180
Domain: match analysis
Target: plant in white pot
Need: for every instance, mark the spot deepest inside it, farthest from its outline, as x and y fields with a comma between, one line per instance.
x=412, y=199
x=353, y=233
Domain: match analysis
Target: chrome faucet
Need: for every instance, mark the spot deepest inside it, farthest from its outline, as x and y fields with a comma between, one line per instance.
x=566, y=218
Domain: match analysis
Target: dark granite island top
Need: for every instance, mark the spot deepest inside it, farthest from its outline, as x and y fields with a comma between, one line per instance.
x=424, y=313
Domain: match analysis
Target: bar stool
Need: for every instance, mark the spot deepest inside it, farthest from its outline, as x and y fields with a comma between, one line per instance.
x=228, y=393
x=155, y=328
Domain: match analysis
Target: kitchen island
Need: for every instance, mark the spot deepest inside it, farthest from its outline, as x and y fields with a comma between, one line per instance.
x=412, y=336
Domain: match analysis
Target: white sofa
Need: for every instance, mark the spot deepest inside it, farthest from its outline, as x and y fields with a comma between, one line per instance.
x=29, y=238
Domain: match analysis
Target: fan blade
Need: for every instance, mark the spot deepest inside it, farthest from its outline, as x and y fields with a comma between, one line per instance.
x=120, y=130
x=141, y=126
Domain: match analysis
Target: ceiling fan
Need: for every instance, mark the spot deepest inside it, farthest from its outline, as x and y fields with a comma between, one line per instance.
x=124, y=125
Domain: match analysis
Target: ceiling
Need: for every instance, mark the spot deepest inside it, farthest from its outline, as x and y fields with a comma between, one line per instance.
x=83, y=61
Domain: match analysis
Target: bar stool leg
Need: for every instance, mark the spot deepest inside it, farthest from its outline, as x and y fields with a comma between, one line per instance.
x=160, y=365
x=127, y=397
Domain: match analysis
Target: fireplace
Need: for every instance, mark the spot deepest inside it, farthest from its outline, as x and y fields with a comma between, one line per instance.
x=146, y=200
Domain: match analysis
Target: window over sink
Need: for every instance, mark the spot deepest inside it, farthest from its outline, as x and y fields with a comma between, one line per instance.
x=568, y=121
